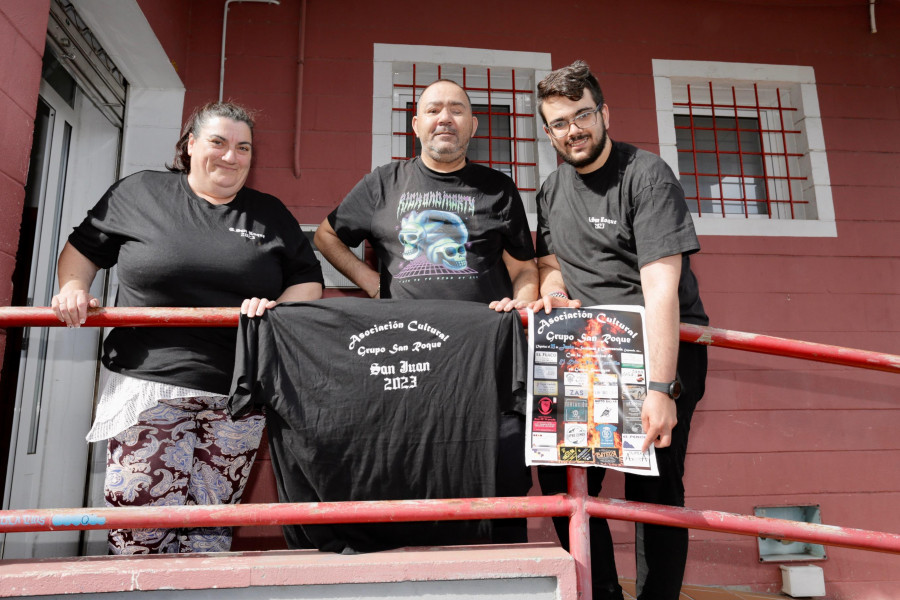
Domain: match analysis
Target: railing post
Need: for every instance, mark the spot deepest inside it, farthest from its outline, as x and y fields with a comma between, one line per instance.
x=579, y=530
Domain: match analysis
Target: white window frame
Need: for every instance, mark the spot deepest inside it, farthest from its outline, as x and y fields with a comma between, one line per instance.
x=384, y=55
x=814, y=163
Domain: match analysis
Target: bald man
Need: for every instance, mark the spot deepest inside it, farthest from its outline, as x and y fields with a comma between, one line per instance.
x=443, y=227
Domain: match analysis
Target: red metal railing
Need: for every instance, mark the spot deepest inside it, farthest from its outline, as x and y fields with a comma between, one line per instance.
x=767, y=344
x=577, y=504
x=16, y=316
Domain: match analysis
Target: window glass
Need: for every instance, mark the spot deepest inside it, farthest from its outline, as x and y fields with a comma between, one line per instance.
x=720, y=175
x=58, y=78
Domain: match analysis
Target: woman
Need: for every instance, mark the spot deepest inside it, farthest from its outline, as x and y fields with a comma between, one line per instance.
x=192, y=237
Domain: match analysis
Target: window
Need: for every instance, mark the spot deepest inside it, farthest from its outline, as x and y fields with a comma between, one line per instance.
x=747, y=144
x=502, y=88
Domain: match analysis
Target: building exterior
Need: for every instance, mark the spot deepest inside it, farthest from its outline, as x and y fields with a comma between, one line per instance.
x=781, y=117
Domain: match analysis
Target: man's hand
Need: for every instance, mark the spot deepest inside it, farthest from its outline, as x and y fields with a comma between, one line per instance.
x=549, y=302
x=507, y=304
x=553, y=288
x=659, y=415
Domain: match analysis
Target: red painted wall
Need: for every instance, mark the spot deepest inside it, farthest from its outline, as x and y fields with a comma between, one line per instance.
x=23, y=27
x=171, y=20
x=770, y=431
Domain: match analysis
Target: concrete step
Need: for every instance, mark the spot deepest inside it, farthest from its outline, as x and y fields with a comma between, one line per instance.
x=539, y=571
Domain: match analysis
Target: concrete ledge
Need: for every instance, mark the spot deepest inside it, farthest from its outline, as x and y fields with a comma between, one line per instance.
x=527, y=570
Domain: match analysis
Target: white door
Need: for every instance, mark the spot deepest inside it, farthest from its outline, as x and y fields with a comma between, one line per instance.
x=48, y=465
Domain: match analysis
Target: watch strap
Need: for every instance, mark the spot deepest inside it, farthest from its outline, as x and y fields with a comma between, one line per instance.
x=659, y=386
x=671, y=389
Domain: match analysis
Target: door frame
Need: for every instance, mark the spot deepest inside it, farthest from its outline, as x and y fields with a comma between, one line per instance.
x=58, y=367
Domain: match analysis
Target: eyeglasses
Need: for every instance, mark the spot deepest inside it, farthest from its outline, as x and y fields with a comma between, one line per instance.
x=560, y=129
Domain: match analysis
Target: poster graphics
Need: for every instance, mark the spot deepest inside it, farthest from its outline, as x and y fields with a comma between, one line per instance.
x=587, y=380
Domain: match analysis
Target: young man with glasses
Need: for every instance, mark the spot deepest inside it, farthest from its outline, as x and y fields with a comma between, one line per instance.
x=614, y=228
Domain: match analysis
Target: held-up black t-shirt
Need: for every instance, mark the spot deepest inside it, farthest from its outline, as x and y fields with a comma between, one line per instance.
x=437, y=235
x=381, y=400
x=604, y=226
x=174, y=248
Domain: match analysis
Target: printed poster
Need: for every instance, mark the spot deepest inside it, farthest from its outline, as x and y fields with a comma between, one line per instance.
x=587, y=380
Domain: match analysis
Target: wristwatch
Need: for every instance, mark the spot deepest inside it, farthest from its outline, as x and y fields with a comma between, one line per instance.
x=672, y=389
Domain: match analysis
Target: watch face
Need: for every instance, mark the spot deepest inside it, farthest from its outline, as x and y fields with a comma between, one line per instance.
x=675, y=389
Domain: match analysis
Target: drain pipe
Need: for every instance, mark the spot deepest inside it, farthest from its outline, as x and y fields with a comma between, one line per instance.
x=872, y=16
x=301, y=59
x=224, y=27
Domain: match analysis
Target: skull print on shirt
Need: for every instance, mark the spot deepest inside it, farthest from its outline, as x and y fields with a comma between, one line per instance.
x=433, y=241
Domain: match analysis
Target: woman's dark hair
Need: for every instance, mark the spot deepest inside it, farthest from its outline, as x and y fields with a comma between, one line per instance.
x=569, y=82
x=199, y=118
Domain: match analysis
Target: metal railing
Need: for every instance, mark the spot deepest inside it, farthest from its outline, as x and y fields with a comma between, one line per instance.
x=15, y=316
x=576, y=504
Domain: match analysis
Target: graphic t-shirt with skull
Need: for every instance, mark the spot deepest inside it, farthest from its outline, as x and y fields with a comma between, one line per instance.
x=437, y=235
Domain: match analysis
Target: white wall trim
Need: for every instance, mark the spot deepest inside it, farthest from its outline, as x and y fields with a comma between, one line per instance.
x=764, y=227
x=462, y=56
x=726, y=71
x=153, y=110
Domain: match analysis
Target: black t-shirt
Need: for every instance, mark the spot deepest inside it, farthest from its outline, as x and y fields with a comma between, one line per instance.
x=381, y=400
x=604, y=226
x=437, y=235
x=174, y=248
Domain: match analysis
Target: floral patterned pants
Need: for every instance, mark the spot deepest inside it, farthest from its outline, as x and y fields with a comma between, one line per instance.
x=183, y=451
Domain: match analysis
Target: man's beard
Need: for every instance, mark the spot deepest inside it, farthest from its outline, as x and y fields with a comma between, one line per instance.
x=590, y=158
x=445, y=155
x=446, y=152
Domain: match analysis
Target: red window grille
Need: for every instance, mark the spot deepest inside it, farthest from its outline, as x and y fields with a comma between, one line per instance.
x=735, y=156
x=502, y=101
